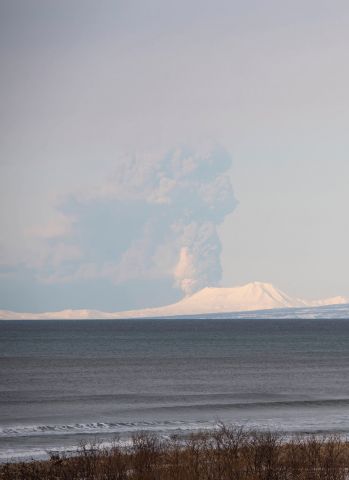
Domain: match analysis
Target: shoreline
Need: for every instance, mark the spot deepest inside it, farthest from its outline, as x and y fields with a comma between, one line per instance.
x=41, y=453
x=222, y=453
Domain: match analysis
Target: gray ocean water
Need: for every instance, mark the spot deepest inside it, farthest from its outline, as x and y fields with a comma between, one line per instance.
x=66, y=381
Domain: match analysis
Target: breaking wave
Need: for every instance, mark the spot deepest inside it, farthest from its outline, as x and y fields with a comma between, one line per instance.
x=98, y=428
x=160, y=426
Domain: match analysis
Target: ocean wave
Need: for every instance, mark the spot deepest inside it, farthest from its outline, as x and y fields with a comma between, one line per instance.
x=344, y=402
x=98, y=428
x=164, y=425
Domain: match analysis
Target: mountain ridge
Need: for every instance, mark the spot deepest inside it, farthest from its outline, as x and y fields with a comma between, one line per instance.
x=254, y=296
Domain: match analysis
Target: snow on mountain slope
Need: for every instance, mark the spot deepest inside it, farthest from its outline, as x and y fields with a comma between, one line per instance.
x=60, y=315
x=253, y=296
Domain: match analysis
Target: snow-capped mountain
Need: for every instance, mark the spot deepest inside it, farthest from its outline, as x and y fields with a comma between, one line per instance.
x=254, y=296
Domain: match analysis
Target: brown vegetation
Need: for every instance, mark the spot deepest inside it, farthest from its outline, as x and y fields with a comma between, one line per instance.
x=226, y=454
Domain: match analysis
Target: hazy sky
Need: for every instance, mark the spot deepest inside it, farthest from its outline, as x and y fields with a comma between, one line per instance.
x=141, y=142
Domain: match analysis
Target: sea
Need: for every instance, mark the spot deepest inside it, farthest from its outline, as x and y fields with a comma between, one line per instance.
x=67, y=382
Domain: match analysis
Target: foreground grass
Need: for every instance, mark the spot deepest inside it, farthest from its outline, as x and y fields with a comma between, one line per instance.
x=226, y=454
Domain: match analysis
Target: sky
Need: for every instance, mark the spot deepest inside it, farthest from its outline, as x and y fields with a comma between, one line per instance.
x=151, y=148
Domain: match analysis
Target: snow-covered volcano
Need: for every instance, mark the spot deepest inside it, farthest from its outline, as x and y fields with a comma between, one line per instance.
x=253, y=296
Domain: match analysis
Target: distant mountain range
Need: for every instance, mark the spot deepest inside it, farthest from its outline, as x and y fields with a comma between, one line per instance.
x=251, y=300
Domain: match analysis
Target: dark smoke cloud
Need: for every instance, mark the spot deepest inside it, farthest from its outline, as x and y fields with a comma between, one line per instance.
x=156, y=217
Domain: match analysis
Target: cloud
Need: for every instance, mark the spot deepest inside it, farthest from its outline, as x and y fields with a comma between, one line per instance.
x=154, y=219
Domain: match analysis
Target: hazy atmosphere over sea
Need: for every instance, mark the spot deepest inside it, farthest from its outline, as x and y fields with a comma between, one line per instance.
x=152, y=148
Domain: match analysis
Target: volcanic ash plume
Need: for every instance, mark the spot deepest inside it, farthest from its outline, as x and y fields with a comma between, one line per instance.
x=185, y=196
x=156, y=218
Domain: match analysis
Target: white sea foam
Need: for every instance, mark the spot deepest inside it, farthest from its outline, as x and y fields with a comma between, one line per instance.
x=98, y=428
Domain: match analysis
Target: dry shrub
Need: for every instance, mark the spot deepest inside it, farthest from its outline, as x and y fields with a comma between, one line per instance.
x=230, y=453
